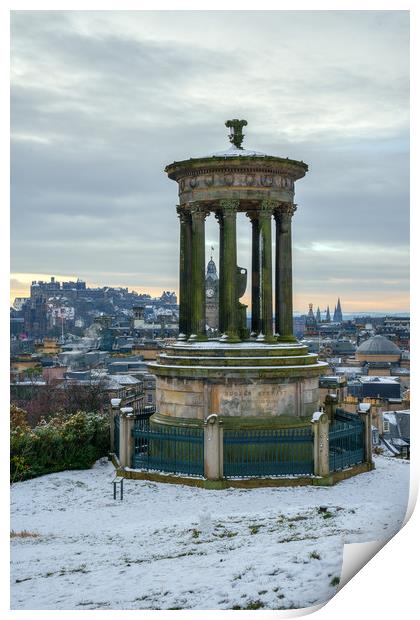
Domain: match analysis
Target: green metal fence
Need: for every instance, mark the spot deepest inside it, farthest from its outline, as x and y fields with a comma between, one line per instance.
x=273, y=452
x=246, y=452
x=117, y=435
x=172, y=449
x=346, y=441
x=346, y=416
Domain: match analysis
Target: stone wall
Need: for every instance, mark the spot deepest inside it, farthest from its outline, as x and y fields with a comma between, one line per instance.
x=196, y=399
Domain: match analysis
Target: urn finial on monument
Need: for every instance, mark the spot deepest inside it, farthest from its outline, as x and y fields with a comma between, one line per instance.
x=236, y=136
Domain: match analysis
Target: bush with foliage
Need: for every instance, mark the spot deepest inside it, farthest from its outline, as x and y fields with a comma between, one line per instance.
x=69, y=442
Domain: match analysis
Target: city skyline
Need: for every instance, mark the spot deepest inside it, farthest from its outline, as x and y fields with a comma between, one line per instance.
x=24, y=291
x=102, y=101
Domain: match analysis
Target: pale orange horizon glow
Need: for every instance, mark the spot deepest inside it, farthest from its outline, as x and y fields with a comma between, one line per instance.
x=20, y=284
x=361, y=302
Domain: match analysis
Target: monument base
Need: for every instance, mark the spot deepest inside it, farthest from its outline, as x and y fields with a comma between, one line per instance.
x=246, y=410
x=252, y=381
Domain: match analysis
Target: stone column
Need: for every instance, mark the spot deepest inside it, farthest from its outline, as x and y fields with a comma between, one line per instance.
x=331, y=406
x=255, y=277
x=113, y=411
x=283, y=277
x=126, y=438
x=365, y=413
x=184, y=274
x=198, y=285
x=320, y=427
x=228, y=291
x=213, y=448
x=219, y=218
x=266, y=271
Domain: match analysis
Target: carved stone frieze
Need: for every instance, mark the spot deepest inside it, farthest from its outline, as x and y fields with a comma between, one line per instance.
x=247, y=184
x=266, y=180
x=237, y=179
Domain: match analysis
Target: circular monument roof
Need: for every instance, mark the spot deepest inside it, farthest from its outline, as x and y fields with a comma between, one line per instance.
x=378, y=345
x=236, y=151
x=236, y=173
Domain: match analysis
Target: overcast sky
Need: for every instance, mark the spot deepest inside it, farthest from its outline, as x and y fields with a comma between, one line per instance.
x=102, y=101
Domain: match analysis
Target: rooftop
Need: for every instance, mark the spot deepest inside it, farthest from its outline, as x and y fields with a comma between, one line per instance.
x=372, y=379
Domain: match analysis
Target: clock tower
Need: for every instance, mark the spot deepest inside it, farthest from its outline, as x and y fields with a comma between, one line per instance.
x=212, y=296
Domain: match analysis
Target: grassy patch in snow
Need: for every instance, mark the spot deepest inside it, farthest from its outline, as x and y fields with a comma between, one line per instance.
x=227, y=534
x=324, y=512
x=251, y=605
x=24, y=534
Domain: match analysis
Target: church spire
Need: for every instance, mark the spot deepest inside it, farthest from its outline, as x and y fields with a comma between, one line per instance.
x=328, y=316
x=338, y=312
x=318, y=315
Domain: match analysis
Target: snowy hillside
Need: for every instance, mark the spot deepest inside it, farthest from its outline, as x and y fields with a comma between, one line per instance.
x=170, y=547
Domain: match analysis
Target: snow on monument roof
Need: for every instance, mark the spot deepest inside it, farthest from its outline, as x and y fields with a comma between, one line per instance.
x=235, y=152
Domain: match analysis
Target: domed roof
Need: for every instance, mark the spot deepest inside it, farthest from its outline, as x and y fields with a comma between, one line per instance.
x=378, y=345
x=235, y=152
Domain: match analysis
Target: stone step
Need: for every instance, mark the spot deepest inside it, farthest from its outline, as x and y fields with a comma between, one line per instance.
x=211, y=349
x=231, y=361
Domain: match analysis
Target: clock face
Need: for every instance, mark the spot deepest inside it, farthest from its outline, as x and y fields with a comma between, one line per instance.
x=210, y=292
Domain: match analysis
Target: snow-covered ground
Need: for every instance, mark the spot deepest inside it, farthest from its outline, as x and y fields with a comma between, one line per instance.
x=171, y=546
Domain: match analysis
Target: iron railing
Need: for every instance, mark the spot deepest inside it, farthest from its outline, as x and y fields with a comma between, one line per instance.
x=346, y=441
x=246, y=452
x=117, y=435
x=273, y=452
x=177, y=450
x=346, y=416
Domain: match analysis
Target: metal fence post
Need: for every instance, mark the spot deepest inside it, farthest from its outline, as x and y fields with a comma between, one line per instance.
x=320, y=426
x=221, y=464
x=213, y=448
x=365, y=413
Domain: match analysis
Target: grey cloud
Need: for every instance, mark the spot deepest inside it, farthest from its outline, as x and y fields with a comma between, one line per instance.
x=98, y=110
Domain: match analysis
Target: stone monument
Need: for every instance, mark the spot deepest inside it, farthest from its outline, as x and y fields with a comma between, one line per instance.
x=259, y=378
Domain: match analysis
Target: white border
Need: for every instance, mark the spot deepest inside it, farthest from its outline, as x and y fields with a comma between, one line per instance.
x=387, y=586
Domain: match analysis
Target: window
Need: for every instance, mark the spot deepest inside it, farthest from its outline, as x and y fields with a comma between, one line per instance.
x=386, y=426
x=150, y=398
